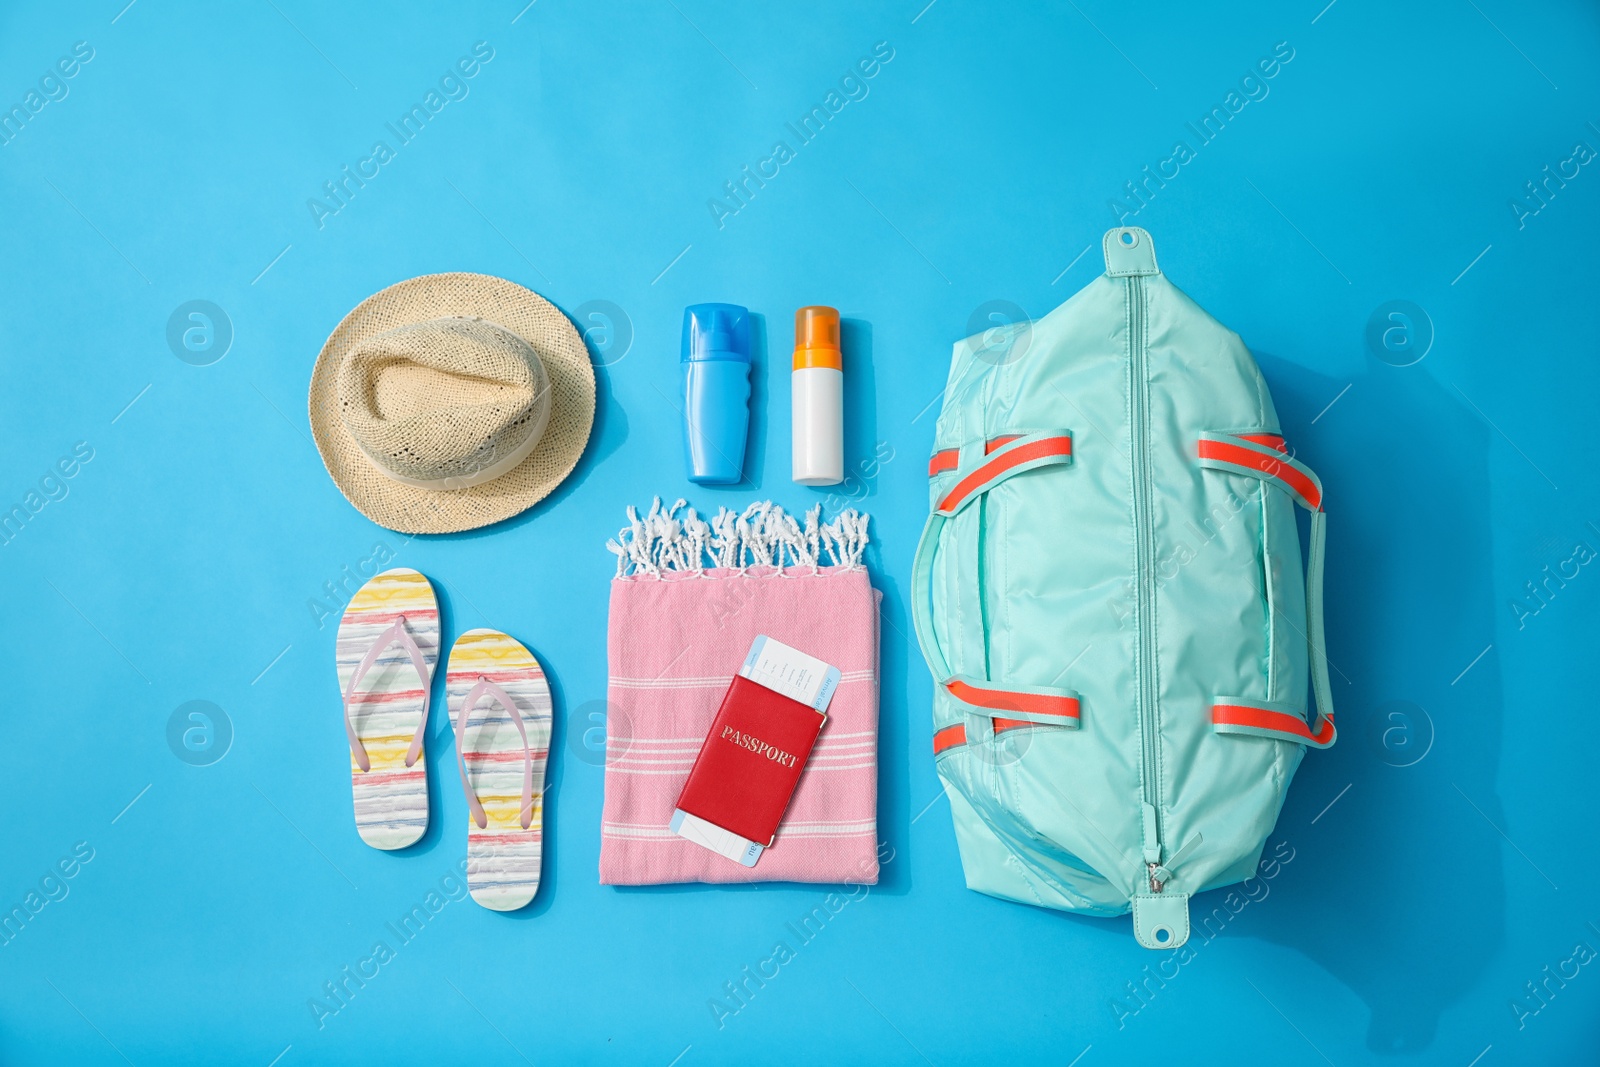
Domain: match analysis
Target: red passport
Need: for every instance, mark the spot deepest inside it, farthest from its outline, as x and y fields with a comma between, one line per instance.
x=751, y=761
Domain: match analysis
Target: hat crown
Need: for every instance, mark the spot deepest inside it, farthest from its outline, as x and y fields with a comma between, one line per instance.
x=445, y=402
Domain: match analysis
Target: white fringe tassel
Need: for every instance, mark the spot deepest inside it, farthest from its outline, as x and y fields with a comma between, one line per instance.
x=762, y=535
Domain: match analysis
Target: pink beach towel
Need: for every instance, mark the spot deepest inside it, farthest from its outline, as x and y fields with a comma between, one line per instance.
x=688, y=599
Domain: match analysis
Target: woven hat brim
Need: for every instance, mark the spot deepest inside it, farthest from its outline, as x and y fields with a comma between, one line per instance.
x=404, y=508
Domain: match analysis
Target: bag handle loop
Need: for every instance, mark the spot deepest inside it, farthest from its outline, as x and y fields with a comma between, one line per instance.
x=1259, y=456
x=1008, y=706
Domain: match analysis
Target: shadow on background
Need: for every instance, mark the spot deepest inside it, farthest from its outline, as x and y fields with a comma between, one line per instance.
x=896, y=807
x=1410, y=602
x=860, y=412
x=755, y=448
x=862, y=467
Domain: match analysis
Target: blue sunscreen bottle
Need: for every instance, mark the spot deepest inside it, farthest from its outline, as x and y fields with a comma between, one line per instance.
x=716, y=391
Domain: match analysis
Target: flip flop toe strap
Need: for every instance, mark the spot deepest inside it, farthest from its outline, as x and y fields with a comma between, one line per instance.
x=396, y=632
x=475, y=694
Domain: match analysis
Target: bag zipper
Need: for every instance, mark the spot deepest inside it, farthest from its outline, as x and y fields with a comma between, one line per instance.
x=1144, y=549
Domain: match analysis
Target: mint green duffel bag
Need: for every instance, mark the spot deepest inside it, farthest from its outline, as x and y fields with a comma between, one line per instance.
x=1110, y=597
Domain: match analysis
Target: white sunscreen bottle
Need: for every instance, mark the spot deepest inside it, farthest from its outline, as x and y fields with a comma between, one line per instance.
x=817, y=384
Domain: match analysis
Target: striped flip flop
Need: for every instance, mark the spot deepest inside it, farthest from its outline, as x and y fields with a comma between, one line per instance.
x=500, y=705
x=388, y=646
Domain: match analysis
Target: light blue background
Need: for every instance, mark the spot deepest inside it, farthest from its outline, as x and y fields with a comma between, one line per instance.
x=182, y=561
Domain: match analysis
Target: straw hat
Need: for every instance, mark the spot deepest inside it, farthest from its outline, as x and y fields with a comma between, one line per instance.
x=451, y=401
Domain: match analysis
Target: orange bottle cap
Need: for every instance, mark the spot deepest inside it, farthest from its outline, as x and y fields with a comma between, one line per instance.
x=816, y=338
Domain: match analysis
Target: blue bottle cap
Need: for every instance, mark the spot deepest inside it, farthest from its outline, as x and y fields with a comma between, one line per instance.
x=716, y=331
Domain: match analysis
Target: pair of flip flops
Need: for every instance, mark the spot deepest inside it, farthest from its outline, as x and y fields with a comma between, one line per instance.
x=499, y=703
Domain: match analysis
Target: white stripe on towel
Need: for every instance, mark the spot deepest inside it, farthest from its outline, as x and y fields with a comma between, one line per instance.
x=625, y=682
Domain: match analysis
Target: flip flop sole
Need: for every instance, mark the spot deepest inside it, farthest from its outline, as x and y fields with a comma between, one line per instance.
x=503, y=859
x=391, y=799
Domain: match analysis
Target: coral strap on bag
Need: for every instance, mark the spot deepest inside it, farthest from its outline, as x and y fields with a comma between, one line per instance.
x=1120, y=634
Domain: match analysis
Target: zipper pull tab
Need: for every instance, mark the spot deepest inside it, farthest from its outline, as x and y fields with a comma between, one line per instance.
x=1152, y=838
x=1161, y=874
